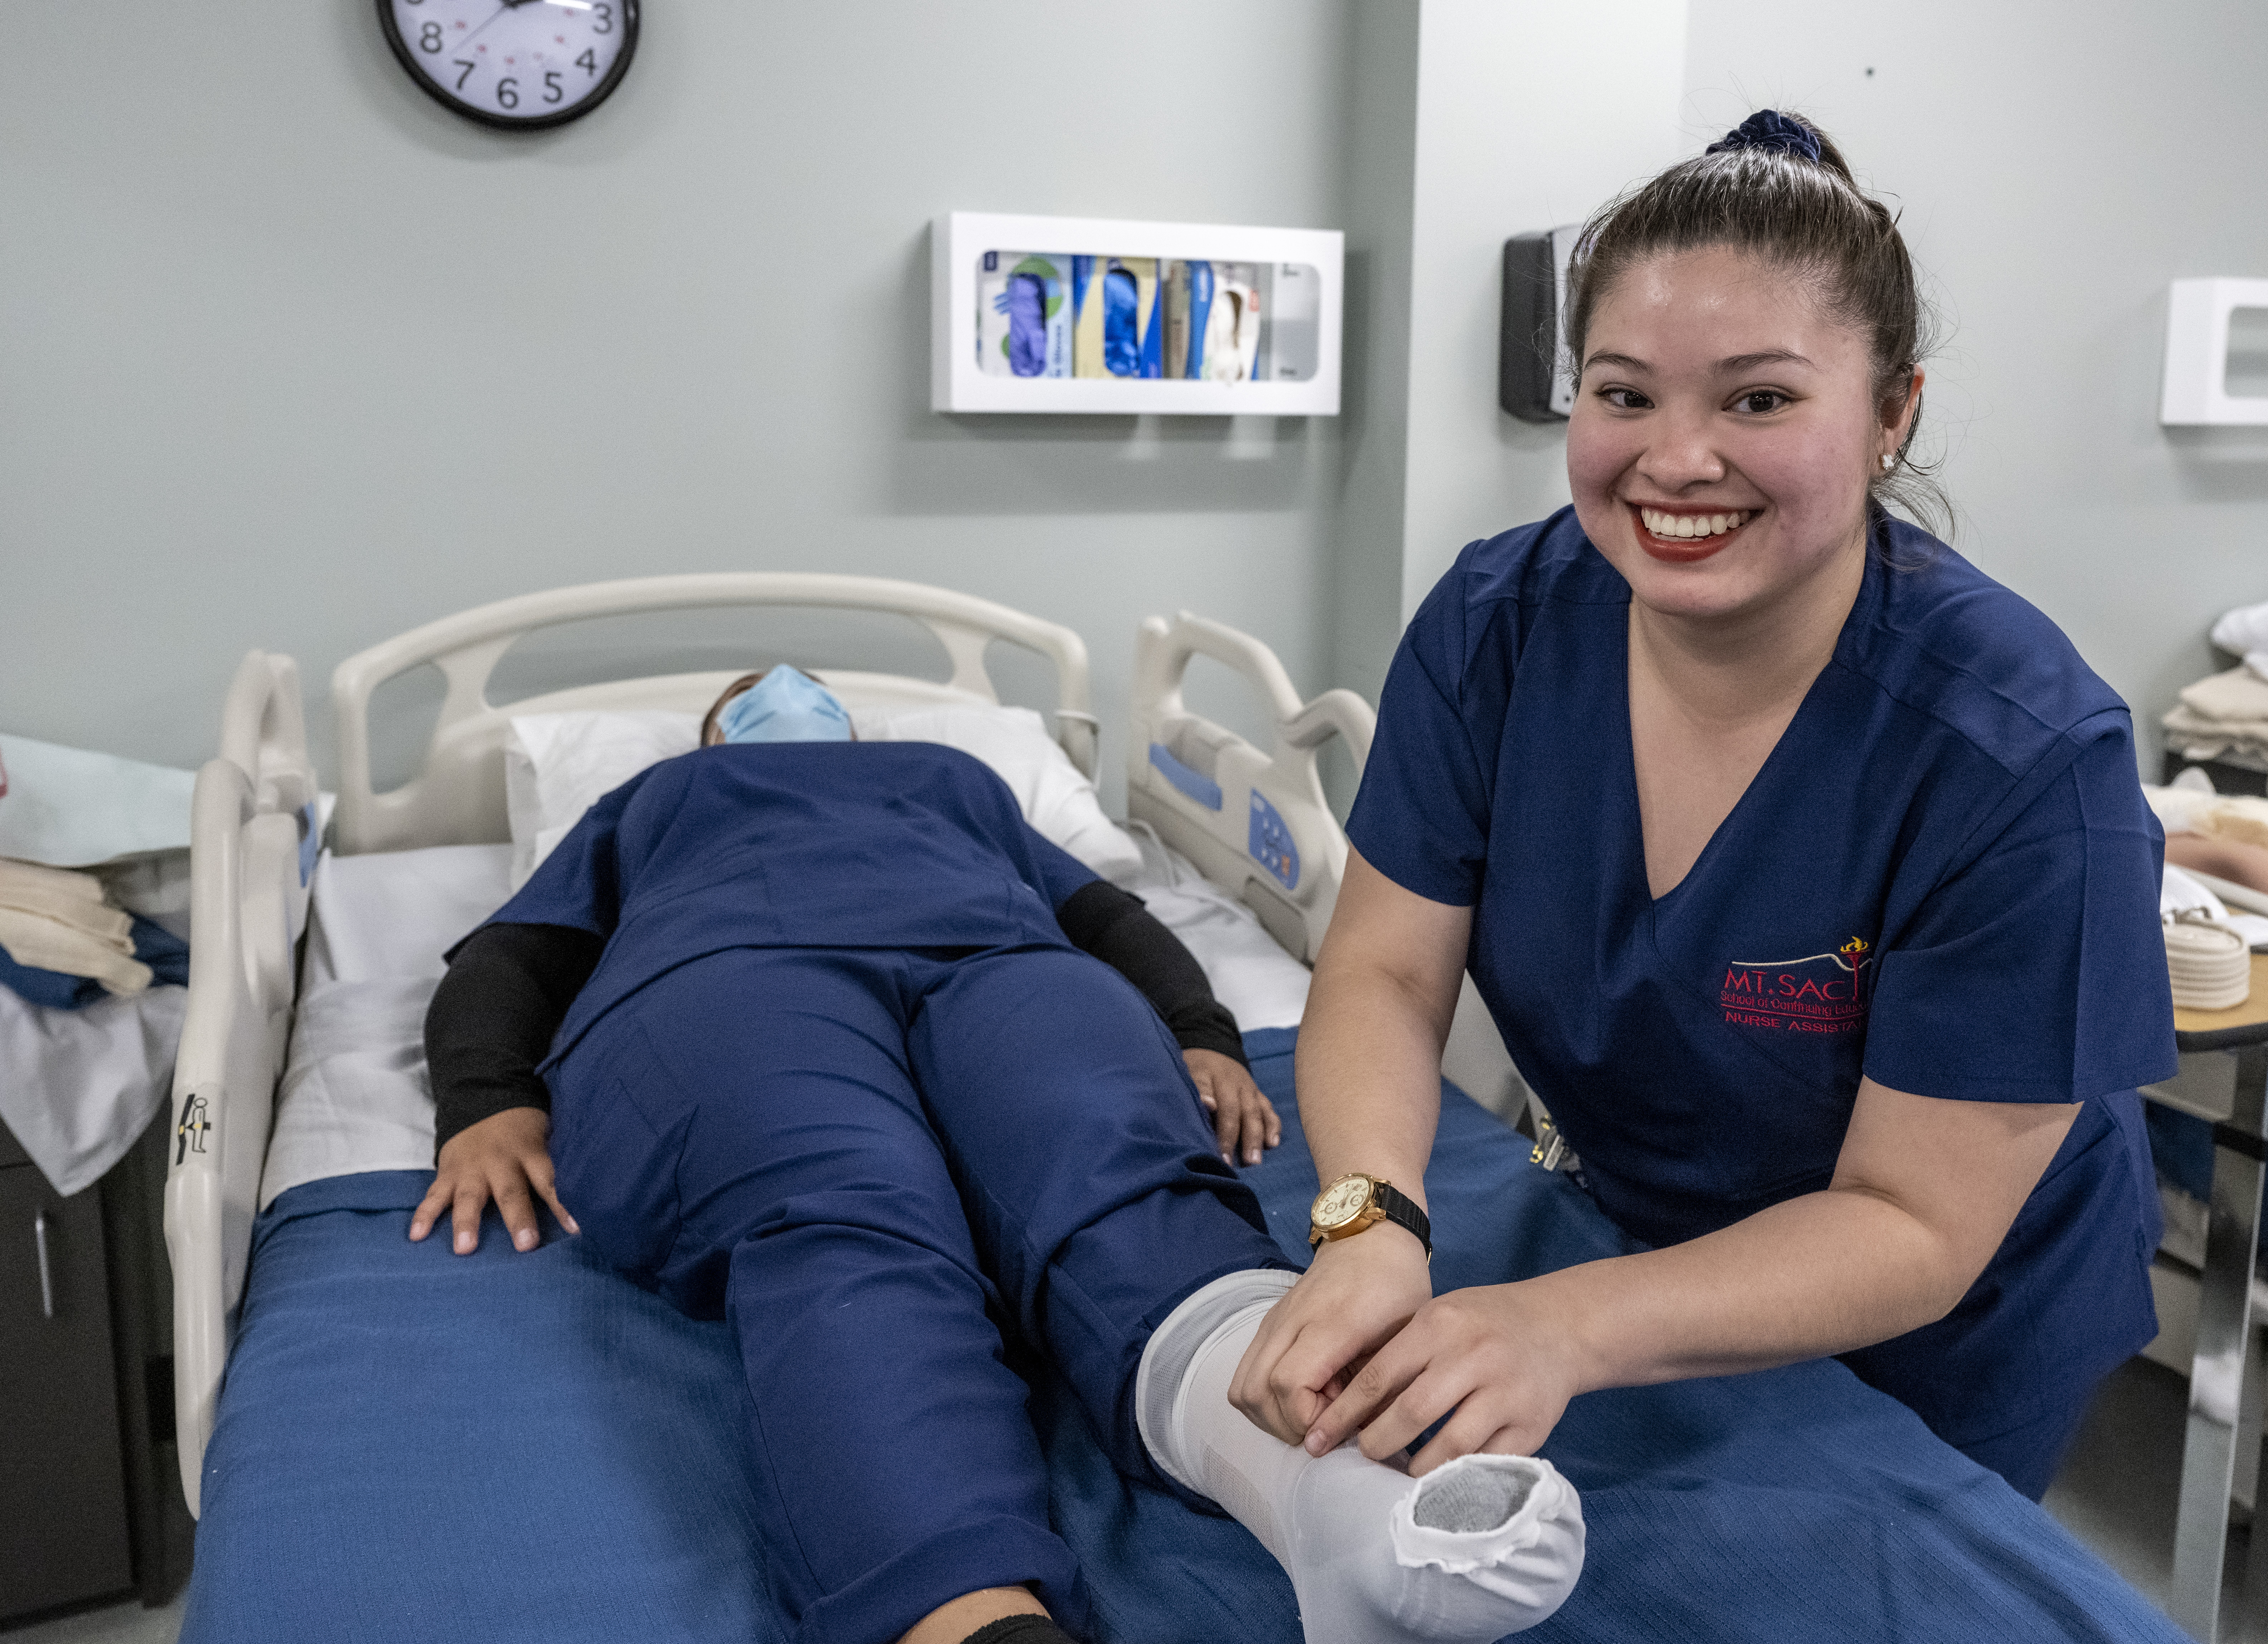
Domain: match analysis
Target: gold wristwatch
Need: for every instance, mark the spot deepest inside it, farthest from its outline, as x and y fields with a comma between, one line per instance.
x=1356, y=1201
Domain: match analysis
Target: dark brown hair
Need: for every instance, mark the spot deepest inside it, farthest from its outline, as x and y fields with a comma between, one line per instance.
x=712, y=733
x=1808, y=217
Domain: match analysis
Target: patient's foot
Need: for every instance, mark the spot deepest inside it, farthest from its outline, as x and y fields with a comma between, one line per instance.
x=1481, y=1547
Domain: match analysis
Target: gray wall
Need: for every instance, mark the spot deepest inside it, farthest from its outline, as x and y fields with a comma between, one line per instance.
x=1510, y=138
x=1473, y=120
x=291, y=358
x=2059, y=164
x=1375, y=409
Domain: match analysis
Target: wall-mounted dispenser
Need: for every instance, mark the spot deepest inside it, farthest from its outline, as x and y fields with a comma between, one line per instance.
x=2198, y=315
x=1532, y=381
x=1080, y=314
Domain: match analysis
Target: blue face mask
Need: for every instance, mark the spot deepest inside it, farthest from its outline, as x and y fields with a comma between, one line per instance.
x=784, y=706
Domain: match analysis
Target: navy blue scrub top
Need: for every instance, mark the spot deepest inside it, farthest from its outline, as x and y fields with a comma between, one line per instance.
x=795, y=844
x=1944, y=877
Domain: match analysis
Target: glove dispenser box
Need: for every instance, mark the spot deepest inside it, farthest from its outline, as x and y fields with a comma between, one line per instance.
x=2198, y=315
x=1086, y=314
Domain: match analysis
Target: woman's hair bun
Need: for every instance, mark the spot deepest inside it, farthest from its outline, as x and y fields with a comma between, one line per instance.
x=1773, y=132
x=1775, y=187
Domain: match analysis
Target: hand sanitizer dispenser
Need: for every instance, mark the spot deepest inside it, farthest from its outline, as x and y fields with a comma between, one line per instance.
x=1532, y=381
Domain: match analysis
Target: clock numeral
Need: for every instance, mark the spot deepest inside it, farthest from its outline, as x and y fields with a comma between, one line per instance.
x=508, y=93
x=552, y=91
x=467, y=68
x=429, y=38
x=589, y=64
x=605, y=14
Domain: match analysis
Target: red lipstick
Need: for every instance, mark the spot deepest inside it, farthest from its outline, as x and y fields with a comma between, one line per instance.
x=1683, y=551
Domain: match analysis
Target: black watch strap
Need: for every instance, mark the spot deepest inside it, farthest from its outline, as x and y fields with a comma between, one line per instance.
x=1402, y=1210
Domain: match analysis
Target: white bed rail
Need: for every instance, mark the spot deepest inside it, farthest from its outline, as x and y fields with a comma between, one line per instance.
x=1252, y=821
x=457, y=796
x=252, y=839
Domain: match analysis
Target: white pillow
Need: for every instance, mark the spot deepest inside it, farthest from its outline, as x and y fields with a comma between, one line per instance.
x=557, y=765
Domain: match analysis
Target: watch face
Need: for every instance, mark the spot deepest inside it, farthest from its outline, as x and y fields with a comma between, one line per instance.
x=521, y=63
x=1342, y=1201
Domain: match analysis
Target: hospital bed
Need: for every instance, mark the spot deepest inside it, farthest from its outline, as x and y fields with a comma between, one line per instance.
x=391, y=1441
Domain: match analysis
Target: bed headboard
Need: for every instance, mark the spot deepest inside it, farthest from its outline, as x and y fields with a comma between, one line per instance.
x=458, y=795
x=1247, y=819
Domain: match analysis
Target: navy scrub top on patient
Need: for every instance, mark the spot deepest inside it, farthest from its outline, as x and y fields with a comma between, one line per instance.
x=1944, y=878
x=795, y=844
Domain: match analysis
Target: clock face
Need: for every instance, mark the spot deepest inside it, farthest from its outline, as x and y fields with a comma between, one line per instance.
x=521, y=63
x=1341, y=1200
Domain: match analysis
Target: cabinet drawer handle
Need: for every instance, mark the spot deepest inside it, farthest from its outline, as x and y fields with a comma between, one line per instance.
x=46, y=1282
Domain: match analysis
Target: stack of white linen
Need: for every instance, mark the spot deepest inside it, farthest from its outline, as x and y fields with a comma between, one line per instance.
x=88, y=841
x=2225, y=716
x=54, y=919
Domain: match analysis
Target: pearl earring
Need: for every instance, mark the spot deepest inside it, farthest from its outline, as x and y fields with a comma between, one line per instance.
x=1888, y=463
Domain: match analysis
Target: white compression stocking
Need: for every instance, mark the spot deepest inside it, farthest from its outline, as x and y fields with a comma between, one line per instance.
x=1480, y=1547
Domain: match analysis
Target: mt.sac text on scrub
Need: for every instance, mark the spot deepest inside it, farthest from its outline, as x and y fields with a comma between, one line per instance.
x=1819, y=993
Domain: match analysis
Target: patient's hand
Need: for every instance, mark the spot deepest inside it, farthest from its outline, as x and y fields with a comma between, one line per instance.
x=502, y=1157
x=1239, y=1111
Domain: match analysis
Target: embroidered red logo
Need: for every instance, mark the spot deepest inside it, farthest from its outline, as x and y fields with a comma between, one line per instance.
x=1818, y=993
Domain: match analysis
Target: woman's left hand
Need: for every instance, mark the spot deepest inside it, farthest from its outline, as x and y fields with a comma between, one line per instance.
x=1239, y=1113
x=1500, y=1355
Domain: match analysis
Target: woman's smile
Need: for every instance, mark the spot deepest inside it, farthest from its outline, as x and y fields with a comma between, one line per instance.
x=1684, y=536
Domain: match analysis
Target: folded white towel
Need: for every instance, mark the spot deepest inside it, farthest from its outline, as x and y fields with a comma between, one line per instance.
x=2196, y=737
x=53, y=919
x=2238, y=696
x=2242, y=630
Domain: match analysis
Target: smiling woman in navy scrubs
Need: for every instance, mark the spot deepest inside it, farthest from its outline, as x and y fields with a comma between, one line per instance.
x=1803, y=868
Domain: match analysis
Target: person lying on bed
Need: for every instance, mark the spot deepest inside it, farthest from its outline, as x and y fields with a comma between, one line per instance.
x=801, y=1030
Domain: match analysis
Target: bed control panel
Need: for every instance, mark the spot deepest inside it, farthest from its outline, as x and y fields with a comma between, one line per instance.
x=1244, y=814
x=1272, y=846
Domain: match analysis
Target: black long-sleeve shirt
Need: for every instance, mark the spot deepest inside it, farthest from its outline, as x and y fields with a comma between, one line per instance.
x=509, y=987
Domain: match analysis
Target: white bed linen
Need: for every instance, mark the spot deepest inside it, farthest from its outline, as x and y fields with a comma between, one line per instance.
x=77, y=1087
x=394, y=913
x=355, y=1096
x=1262, y=985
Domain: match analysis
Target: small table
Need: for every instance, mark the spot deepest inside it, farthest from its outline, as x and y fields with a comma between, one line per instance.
x=2223, y=1080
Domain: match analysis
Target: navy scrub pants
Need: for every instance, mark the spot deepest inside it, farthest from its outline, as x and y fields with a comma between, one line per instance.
x=874, y=1163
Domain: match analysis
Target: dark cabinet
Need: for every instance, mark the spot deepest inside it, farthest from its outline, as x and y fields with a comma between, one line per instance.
x=62, y=1475
x=90, y=1505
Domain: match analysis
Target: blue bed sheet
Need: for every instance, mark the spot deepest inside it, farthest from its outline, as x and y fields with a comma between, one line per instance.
x=413, y=1445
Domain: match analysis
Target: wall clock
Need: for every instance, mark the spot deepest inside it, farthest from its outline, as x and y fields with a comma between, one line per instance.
x=521, y=64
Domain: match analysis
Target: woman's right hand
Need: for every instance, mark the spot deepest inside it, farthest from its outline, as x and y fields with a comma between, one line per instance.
x=1358, y=1292
x=505, y=1157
